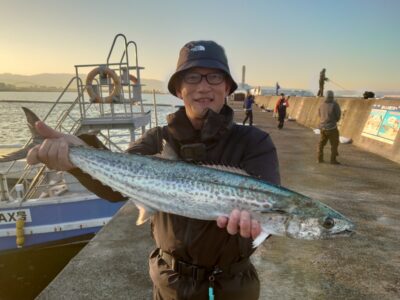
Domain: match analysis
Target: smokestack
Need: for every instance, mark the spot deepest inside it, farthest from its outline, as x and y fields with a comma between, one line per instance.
x=243, y=75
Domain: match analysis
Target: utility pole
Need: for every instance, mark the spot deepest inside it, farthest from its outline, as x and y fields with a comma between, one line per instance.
x=243, y=76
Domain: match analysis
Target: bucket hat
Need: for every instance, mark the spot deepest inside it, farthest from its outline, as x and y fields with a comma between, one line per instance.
x=203, y=54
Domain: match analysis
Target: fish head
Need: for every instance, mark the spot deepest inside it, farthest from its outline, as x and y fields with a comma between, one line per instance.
x=319, y=227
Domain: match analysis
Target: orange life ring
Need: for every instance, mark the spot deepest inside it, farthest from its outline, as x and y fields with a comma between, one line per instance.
x=133, y=78
x=116, y=84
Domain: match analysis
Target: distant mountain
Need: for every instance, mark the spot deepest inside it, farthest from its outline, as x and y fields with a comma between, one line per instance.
x=60, y=80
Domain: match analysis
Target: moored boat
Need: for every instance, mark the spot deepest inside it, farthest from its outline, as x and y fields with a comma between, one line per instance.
x=40, y=206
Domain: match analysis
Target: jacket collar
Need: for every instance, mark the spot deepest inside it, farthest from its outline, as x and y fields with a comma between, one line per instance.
x=215, y=125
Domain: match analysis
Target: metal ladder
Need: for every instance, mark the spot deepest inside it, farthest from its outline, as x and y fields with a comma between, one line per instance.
x=84, y=116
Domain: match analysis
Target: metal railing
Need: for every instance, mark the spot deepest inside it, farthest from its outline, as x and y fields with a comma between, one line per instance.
x=33, y=178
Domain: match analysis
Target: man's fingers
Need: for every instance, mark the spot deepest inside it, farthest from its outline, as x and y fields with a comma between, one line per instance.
x=63, y=156
x=52, y=153
x=245, y=224
x=43, y=156
x=255, y=229
x=32, y=157
x=233, y=222
x=222, y=222
x=240, y=222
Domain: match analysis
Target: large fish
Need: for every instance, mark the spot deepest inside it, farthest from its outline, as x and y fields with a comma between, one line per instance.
x=201, y=192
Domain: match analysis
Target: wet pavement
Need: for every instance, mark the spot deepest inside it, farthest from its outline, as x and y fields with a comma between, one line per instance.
x=365, y=188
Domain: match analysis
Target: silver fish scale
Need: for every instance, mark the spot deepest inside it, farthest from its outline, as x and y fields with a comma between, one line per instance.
x=203, y=193
x=173, y=186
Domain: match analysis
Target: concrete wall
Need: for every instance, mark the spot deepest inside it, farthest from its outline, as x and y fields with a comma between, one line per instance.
x=355, y=112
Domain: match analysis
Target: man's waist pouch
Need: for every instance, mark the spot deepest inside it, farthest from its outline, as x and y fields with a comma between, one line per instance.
x=199, y=272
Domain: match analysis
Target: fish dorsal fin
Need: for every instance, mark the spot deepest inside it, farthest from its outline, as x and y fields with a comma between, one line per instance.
x=230, y=169
x=167, y=151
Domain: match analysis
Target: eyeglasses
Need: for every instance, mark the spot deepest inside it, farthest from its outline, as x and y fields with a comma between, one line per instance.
x=212, y=78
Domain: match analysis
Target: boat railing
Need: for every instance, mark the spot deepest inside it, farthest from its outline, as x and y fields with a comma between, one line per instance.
x=25, y=179
x=85, y=115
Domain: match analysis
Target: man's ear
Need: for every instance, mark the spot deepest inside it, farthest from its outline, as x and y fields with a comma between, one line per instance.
x=178, y=94
x=228, y=85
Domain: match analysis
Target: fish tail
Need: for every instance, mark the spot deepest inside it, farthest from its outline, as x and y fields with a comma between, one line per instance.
x=37, y=139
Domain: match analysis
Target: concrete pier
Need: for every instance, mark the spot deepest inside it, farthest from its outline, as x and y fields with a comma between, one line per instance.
x=365, y=188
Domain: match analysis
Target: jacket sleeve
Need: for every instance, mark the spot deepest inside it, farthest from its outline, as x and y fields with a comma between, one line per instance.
x=92, y=184
x=276, y=106
x=149, y=144
x=338, y=112
x=261, y=160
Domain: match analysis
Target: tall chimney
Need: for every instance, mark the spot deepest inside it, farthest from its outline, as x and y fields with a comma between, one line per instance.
x=243, y=75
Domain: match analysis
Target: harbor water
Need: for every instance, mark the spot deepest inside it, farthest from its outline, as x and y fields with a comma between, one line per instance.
x=12, y=119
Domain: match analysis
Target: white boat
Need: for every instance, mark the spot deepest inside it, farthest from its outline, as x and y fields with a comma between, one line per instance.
x=43, y=207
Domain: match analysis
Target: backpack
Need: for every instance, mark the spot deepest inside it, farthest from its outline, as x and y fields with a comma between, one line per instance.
x=282, y=106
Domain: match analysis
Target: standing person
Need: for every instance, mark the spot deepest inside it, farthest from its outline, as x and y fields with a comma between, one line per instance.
x=248, y=107
x=277, y=87
x=280, y=108
x=329, y=113
x=189, y=251
x=322, y=79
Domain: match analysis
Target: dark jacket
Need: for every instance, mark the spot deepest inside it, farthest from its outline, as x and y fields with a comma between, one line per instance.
x=329, y=113
x=248, y=103
x=195, y=241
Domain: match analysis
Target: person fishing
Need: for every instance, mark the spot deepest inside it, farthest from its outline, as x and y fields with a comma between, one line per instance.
x=277, y=87
x=193, y=259
x=322, y=79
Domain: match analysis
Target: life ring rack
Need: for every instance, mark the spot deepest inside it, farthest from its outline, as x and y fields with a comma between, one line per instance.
x=116, y=84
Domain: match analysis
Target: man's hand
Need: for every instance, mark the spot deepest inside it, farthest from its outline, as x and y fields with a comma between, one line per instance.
x=53, y=152
x=240, y=221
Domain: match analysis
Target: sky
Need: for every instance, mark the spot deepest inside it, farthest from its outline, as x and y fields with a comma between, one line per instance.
x=289, y=41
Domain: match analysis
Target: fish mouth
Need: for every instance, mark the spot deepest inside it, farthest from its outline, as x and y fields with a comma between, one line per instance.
x=344, y=233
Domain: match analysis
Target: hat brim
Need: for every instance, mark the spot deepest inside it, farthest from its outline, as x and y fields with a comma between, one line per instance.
x=199, y=63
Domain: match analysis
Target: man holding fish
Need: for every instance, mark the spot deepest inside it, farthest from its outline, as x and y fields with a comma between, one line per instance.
x=203, y=131
x=196, y=257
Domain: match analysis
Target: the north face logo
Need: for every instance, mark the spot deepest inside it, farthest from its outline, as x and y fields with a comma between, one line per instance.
x=198, y=48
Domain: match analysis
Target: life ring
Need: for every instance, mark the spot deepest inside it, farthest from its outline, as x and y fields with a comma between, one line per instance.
x=133, y=78
x=116, y=84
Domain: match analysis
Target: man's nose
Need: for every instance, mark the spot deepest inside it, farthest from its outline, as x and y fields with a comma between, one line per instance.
x=203, y=84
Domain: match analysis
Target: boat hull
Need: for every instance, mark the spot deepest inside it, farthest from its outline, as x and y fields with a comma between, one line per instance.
x=53, y=219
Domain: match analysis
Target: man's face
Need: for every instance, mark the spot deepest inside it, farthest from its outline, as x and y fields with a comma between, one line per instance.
x=199, y=97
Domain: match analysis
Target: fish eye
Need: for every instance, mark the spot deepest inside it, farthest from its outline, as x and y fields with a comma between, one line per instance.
x=328, y=223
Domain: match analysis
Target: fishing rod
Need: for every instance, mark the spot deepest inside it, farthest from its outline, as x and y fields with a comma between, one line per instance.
x=335, y=83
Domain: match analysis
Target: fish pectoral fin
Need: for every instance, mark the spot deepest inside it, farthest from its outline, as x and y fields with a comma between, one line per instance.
x=260, y=238
x=145, y=213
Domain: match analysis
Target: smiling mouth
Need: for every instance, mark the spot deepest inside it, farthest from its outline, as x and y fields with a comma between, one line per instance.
x=204, y=100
